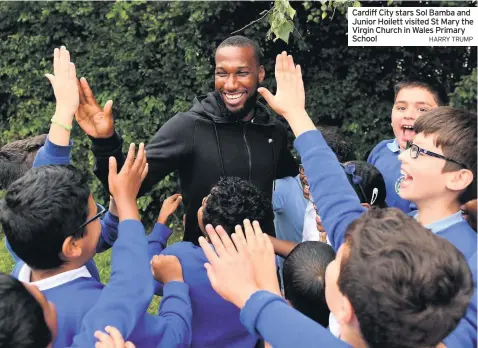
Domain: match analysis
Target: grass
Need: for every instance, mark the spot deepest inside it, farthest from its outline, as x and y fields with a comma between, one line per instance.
x=102, y=262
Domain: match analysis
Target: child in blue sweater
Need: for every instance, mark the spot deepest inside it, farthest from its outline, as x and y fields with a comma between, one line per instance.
x=57, y=199
x=412, y=99
x=216, y=321
x=340, y=207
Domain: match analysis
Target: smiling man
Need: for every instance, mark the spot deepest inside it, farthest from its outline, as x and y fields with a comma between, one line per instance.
x=225, y=133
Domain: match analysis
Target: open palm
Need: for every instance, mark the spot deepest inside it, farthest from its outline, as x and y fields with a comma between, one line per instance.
x=95, y=121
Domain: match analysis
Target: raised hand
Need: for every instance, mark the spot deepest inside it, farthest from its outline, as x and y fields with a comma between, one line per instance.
x=289, y=100
x=229, y=270
x=170, y=205
x=111, y=339
x=64, y=86
x=261, y=252
x=95, y=121
x=124, y=186
x=290, y=96
x=166, y=268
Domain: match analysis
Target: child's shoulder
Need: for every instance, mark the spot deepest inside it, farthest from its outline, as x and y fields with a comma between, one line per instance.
x=379, y=149
x=462, y=236
x=181, y=249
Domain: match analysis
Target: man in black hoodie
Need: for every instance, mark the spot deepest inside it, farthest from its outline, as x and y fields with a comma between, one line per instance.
x=226, y=133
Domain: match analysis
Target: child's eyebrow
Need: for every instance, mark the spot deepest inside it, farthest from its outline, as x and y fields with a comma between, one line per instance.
x=423, y=103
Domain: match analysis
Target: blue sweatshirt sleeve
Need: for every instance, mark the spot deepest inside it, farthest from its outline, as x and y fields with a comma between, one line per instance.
x=124, y=300
x=283, y=326
x=335, y=198
x=157, y=241
x=465, y=333
x=109, y=232
x=172, y=327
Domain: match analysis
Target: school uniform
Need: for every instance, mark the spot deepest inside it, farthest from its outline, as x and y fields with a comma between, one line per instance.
x=384, y=157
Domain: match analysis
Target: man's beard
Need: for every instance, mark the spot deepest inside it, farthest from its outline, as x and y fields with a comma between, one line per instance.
x=237, y=115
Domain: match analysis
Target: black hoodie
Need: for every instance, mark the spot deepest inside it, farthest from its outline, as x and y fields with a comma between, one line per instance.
x=204, y=144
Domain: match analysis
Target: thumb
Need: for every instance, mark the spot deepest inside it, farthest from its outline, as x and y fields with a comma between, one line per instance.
x=50, y=78
x=107, y=108
x=268, y=96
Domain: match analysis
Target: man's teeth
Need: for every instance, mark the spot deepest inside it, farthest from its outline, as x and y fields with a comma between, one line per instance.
x=234, y=96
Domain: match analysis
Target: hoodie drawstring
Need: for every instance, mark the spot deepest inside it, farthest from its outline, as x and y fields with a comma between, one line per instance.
x=219, y=149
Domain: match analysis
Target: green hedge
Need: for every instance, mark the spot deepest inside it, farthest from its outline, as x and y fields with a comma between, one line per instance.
x=152, y=58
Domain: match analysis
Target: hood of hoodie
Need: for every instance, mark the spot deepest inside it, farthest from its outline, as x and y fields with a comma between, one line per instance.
x=211, y=106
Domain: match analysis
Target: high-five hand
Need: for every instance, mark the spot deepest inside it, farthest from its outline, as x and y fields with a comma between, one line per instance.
x=64, y=86
x=289, y=100
x=95, y=121
x=124, y=186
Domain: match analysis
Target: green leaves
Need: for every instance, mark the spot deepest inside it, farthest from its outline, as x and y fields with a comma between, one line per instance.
x=280, y=20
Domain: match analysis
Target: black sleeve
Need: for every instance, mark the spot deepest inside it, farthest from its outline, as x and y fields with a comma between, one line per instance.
x=286, y=165
x=171, y=145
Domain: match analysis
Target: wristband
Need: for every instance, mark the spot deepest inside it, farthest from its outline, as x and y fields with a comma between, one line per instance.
x=62, y=125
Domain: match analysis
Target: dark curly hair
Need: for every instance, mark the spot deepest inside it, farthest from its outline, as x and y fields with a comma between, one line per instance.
x=234, y=199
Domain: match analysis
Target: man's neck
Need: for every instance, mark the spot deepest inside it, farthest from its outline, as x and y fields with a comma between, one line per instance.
x=249, y=116
x=38, y=275
x=435, y=210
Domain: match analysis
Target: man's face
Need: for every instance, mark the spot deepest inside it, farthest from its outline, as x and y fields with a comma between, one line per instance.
x=49, y=311
x=237, y=77
x=304, y=183
x=410, y=103
x=201, y=213
x=424, y=179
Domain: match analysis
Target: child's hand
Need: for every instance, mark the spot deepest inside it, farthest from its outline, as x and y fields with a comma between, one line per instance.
x=124, y=186
x=166, y=268
x=230, y=271
x=170, y=205
x=261, y=252
x=111, y=339
x=64, y=86
x=290, y=96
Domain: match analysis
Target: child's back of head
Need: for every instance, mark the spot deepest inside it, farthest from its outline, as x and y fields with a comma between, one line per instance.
x=368, y=183
x=22, y=321
x=304, y=279
x=231, y=201
x=17, y=157
x=406, y=287
x=41, y=210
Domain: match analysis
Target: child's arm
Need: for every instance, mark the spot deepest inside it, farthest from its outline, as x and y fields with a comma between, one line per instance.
x=282, y=248
x=124, y=300
x=337, y=202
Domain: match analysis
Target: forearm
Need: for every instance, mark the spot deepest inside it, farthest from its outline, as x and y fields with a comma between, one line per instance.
x=282, y=248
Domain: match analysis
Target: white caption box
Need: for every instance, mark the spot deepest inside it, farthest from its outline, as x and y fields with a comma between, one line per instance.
x=412, y=26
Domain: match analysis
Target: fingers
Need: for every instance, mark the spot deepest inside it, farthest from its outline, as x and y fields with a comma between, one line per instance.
x=104, y=340
x=208, y=251
x=250, y=235
x=239, y=239
x=72, y=70
x=50, y=78
x=80, y=92
x=216, y=241
x=130, y=157
x=278, y=68
x=129, y=345
x=56, y=61
x=211, y=275
x=116, y=335
x=113, y=167
x=64, y=61
x=89, y=96
x=140, y=161
x=108, y=108
x=145, y=172
x=226, y=240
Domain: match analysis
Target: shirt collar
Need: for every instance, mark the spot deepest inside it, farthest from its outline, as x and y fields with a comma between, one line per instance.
x=394, y=146
x=51, y=282
x=442, y=224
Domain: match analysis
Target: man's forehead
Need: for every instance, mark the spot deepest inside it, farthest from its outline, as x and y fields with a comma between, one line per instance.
x=235, y=56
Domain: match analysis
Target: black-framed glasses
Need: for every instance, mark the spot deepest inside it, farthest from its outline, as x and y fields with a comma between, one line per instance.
x=415, y=150
x=100, y=211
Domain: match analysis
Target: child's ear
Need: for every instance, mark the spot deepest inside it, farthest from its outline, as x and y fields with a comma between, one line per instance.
x=365, y=205
x=459, y=180
x=71, y=248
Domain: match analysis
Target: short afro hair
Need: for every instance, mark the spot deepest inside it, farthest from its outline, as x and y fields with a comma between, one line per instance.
x=242, y=41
